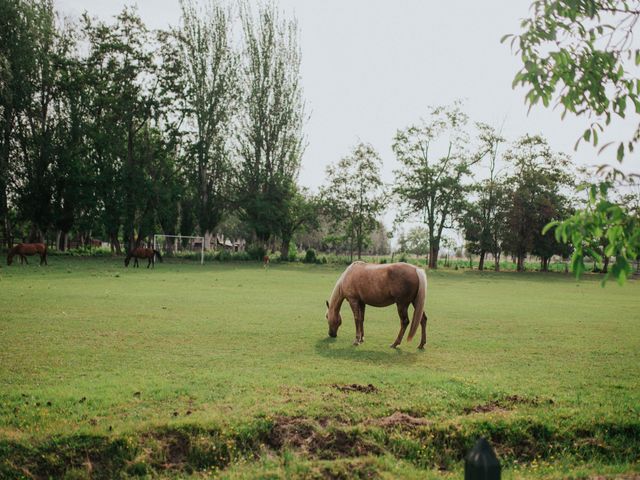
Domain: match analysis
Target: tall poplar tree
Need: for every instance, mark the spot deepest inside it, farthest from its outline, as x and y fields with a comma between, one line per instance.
x=270, y=138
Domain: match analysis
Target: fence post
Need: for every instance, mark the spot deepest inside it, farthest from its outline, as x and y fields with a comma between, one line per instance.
x=481, y=463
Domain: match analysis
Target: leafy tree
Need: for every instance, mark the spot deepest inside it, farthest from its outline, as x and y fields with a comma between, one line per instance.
x=270, y=139
x=402, y=242
x=74, y=200
x=300, y=213
x=601, y=219
x=535, y=198
x=354, y=196
x=35, y=126
x=18, y=34
x=379, y=240
x=429, y=185
x=582, y=56
x=121, y=71
x=208, y=87
x=482, y=219
x=417, y=241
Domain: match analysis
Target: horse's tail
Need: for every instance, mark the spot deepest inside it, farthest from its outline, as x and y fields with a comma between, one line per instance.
x=157, y=253
x=418, y=303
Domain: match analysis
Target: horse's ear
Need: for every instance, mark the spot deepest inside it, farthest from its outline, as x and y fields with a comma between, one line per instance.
x=327, y=302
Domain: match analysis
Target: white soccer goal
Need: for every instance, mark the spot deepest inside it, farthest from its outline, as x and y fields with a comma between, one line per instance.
x=176, y=245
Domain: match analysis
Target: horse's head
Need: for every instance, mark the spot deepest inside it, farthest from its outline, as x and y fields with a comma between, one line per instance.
x=334, y=320
x=12, y=252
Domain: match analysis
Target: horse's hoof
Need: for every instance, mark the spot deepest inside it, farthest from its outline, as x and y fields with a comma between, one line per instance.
x=420, y=347
x=393, y=345
x=355, y=343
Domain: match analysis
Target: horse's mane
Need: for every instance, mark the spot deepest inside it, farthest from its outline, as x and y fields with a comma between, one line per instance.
x=336, y=294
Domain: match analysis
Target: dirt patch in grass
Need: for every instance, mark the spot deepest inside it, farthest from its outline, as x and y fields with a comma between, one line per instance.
x=324, y=443
x=354, y=387
x=291, y=432
x=506, y=403
x=399, y=419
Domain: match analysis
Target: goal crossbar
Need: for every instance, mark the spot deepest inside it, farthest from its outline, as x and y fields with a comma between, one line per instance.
x=180, y=238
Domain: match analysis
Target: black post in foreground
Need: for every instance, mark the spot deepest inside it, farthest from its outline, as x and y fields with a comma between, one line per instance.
x=481, y=463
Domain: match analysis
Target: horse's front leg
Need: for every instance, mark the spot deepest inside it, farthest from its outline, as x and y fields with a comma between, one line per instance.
x=403, y=313
x=355, y=308
x=25, y=259
x=149, y=264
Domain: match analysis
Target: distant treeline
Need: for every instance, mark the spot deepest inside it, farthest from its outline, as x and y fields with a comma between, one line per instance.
x=112, y=131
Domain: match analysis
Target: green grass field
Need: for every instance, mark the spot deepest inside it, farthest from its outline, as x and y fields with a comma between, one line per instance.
x=227, y=369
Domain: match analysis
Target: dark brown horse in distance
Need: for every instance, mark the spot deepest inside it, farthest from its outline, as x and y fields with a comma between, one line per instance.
x=142, y=252
x=380, y=286
x=26, y=250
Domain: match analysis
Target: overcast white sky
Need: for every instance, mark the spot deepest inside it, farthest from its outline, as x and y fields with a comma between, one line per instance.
x=370, y=67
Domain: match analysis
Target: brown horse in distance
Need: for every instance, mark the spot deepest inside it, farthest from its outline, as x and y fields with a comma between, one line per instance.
x=380, y=286
x=26, y=250
x=142, y=252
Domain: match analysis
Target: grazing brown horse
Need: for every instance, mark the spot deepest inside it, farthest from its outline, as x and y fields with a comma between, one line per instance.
x=142, y=252
x=28, y=249
x=380, y=286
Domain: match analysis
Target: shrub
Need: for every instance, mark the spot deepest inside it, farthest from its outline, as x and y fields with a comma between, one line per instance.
x=256, y=252
x=310, y=256
x=293, y=252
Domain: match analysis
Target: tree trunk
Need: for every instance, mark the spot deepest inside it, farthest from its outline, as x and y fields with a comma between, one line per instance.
x=520, y=263
x=115, y=243
x=433, y=257
x=284, y=250
x=496, y=258
x=481, y=262
x=129, y=201
x=545, y=265
x=351, y=249
x=605, y=264
x=4, y=175
x=35, y=234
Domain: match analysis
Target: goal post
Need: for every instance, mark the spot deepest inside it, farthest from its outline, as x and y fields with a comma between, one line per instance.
x=174, y=245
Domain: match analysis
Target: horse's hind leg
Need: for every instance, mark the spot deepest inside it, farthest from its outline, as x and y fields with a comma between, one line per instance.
x=403, y=313
x=149, y=264
x=362, y=305
x=423, y=325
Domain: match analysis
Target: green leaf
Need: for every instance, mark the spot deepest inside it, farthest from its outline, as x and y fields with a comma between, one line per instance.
x=549, y=226
x=508, y=35
x=620, y=152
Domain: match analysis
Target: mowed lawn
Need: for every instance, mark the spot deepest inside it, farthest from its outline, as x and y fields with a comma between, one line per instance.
x=88, y=347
